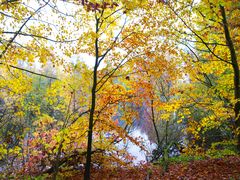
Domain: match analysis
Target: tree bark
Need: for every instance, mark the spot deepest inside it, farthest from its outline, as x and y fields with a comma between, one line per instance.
x=235, y=67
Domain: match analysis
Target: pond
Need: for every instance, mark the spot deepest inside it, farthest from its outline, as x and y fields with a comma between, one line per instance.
x=134, y=150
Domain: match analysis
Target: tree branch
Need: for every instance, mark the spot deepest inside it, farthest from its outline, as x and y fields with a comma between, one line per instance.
x=29, y=71
x=20, y=29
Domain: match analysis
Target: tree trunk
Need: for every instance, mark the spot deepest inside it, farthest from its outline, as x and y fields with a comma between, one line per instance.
x=92, y=111
x=154, y=123
x=235, y=67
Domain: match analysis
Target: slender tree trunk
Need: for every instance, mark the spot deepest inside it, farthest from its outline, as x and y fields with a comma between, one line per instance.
x=235, y=67
x=154, y=123
x=166, y=133
x=92, y=110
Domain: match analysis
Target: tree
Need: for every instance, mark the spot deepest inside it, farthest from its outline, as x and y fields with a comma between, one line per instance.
x=209, y=36
x=106, y=17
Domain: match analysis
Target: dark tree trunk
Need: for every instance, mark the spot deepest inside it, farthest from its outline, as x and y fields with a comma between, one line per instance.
x=235, y=67
x=92, y=110
x=154, y=123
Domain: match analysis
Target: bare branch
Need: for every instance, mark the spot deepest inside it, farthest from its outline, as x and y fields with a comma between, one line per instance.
x=113, y=13
x=109, y=74
x=113, y=43
x=38, y=36
x=32, y=72
x=80, y=115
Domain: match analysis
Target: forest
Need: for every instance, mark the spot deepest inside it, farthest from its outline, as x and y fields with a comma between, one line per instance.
x=79, y=77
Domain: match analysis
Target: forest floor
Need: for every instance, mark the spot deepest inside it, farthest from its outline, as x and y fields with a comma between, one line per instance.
x=209, y=169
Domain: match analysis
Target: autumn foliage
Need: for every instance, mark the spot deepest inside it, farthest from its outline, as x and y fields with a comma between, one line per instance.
x=78, y=77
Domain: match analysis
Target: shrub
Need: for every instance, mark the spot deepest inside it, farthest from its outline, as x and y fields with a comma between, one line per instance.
x=221, y=149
